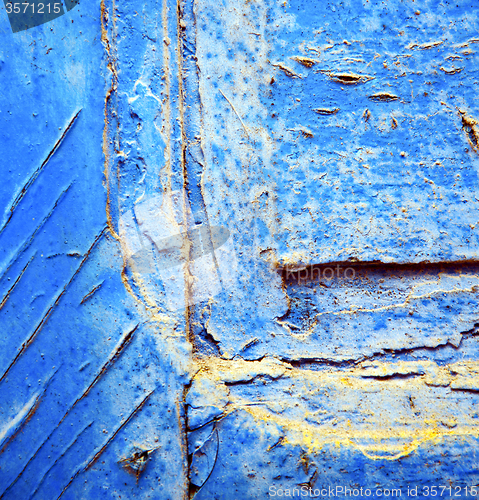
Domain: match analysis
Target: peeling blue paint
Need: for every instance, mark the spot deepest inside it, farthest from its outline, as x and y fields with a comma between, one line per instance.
x=238, y=250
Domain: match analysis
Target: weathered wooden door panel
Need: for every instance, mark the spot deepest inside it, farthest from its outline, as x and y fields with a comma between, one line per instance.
x=238, y=250
x=85, y=407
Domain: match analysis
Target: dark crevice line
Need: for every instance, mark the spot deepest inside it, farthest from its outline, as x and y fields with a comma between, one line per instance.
x=294, y=272
x=50, y=468
x=10, y=290
x=304, y=363
x=124, y=342
x=194, y=123
x=318, y=361
x=37, y=172
x=195, y=491
x=23, y=422
x=26, y=465
x=194, y=156
x=277, y=443
x=32, y=410
x=10, y=486
x=58, y=459
x=103, y=448
x=27, y=243
x=393, y=376
x=115, y=354
x=47, y=315
x=90, y=293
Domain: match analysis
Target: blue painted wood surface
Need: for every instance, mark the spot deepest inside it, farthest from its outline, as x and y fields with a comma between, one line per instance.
x=238, y=250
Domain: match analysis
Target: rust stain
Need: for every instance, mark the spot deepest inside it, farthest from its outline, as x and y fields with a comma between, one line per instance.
x=471, y=128
x=383, y=97
x=348, y=78
x=326, y=111
x=305, y=61
x=288, y=71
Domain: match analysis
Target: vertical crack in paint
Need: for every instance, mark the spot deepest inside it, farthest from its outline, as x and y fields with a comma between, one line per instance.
x=110, y=95
x=188, y=278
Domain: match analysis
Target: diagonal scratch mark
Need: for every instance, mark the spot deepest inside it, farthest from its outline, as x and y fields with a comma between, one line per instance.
x=90, y=293
x=37, y=172
x=124, y=342
x=20, y=420
x=50, y=468
x=7, y=295
x=115, y=354
x=42, y=223
x=47, y=315
x=236, y=112
x=26, y=413
x=54, y=463
x=103, y=448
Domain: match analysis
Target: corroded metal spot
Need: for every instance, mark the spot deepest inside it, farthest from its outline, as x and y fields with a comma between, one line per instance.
x=137, y=461
x=469, y=125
